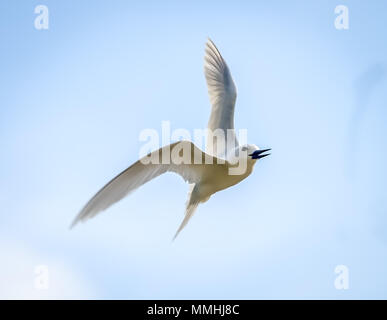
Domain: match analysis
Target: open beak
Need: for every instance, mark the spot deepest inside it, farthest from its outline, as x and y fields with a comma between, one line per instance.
x=258, y=154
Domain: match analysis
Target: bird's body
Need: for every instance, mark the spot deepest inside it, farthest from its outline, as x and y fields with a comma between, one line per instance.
x=206, y=172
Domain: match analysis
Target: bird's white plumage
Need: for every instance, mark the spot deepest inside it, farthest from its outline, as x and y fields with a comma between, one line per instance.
x=139, y=173
x=222, y=92
x=206, y=176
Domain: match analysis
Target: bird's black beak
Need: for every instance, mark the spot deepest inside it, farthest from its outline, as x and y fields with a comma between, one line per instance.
x=258, y=154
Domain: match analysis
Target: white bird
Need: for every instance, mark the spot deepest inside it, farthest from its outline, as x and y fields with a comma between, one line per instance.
x=207, y=176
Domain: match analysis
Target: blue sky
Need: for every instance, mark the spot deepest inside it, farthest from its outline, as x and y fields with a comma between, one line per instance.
x=75, y=98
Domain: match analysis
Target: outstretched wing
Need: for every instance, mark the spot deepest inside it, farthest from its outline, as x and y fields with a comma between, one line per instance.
x=222, y=92
x=181, y=155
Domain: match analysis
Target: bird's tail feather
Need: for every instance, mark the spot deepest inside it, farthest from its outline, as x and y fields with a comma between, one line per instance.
x=190, y=210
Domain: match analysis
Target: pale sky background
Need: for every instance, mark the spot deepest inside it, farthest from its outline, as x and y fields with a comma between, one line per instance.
x=75, y=98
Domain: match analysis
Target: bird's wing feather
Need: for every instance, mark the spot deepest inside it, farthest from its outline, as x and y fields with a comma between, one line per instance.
x=139, y=173
x=222, y=92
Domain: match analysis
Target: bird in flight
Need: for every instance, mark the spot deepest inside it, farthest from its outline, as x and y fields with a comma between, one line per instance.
x=206, y=172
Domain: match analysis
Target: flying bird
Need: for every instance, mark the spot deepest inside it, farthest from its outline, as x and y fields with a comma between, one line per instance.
x=208, y=175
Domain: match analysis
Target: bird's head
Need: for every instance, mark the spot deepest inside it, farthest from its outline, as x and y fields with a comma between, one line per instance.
x=254, y=152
